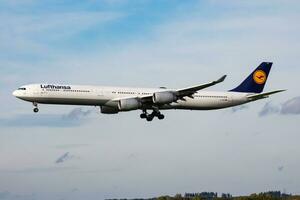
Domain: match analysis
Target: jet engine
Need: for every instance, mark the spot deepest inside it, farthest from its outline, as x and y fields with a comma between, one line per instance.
x=163, y=97
x=129, y=104
x=109, y=110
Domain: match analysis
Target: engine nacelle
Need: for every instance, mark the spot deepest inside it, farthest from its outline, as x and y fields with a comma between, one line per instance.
x=109, y=110
x=129, y=104
x=163, y=97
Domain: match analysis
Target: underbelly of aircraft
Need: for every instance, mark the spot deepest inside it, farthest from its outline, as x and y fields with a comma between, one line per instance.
x=66, y=101
x=199, y=105
x=193, y=104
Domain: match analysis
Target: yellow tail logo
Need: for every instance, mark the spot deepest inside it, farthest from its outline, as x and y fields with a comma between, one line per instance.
x=259, y=77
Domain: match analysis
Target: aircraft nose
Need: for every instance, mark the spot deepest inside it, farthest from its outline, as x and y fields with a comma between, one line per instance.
x=15, y=93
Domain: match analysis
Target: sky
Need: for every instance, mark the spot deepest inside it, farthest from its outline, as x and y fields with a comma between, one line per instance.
x=74, y=152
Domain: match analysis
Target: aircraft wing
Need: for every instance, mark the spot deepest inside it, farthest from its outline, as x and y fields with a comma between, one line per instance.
x=184, y=92
x=192, y=90
x=255, y=97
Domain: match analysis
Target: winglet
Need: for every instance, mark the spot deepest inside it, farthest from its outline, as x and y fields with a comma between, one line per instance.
x=221, y=79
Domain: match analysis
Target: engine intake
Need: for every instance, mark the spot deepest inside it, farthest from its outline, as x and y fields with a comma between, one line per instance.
x=129, y=104
x=163, y=97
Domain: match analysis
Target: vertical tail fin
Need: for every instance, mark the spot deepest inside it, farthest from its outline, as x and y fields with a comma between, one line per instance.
x=256, y=81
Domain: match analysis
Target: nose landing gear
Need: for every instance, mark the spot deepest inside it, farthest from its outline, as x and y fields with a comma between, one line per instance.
x=35, y=109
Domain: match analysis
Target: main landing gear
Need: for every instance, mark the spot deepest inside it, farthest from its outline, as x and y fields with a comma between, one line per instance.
x=35, y=109
x=150, y=117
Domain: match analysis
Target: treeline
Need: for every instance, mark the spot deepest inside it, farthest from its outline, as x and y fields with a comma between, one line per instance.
x=200, y=196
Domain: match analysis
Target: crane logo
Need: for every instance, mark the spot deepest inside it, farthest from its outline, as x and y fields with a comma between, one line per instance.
x=259, y=77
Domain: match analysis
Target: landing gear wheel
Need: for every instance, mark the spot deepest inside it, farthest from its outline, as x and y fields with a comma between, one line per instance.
x=160, y=117
x=143, y=115
x=35, y=110
x=149, y=118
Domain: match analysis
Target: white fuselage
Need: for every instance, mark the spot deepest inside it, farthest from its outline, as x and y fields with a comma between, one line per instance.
x=105, y=96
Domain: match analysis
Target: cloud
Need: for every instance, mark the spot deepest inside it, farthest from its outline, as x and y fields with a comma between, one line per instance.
x=269, y=109
x=77, y=113
x=65, y=157
x=6, y=195
x=76, y=117
x=291, y=106
x=96, y=171
x=239, y=108
x=59, y=169
x=132, y=156
x=71, y=146
x=75, y=190
x=32, y=170
x=41, y=35
x=280, y=168
x=14, y=3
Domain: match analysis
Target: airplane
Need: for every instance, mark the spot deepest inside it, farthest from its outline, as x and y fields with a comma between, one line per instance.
x=113, y=100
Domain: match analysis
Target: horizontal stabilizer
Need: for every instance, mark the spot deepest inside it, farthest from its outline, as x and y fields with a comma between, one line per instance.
x=263, y=95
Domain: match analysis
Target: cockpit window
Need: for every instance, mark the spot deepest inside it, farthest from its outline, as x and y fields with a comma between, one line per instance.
x=21, y=88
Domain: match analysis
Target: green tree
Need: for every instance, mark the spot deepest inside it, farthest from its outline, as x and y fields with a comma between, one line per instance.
x=178, y=197
x=197, y=198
